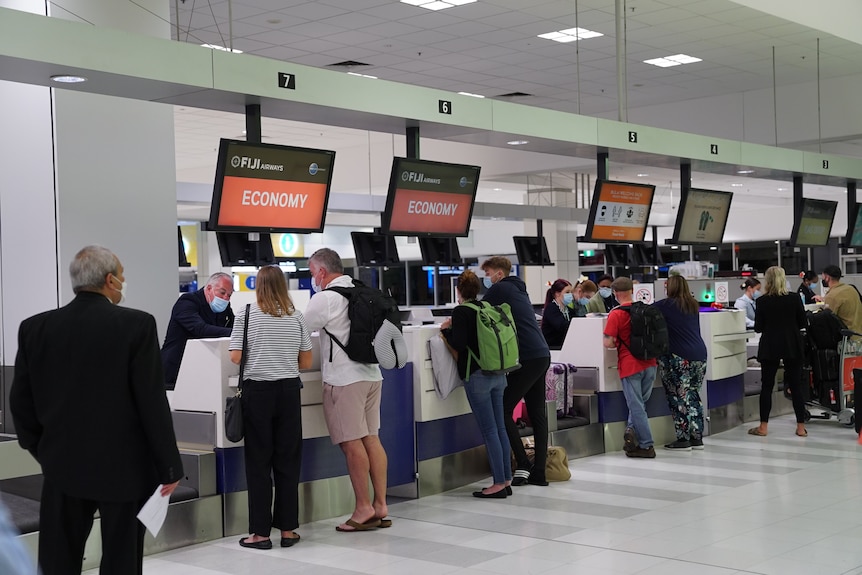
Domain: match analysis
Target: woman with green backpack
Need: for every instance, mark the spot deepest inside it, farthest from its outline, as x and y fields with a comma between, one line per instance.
x=484, y=374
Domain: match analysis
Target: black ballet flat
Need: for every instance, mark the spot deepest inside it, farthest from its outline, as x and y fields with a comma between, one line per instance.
x=496, y=495
x=289, y=541
x=509, y=490
x=262, y=544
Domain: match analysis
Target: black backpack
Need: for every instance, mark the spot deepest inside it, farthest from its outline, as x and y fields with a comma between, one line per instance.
x=649, y=331
x=367, y=309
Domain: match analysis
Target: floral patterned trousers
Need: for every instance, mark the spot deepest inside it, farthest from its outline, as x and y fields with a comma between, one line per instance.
x=682, y=379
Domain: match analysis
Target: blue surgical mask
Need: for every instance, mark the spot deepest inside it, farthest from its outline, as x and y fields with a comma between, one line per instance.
x=605, y=292
x=487, y=281
x=568, y=299
x=315, y=287
x=218, y=304
x=757, y=293
x=584, y=301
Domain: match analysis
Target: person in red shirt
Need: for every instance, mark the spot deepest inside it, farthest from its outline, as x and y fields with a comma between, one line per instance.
x=637, y=375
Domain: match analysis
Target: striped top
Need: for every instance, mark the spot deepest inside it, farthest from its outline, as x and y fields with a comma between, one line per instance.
x=274, y=344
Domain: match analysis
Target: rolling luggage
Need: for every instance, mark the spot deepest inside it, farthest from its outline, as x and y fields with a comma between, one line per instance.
x=557, y=387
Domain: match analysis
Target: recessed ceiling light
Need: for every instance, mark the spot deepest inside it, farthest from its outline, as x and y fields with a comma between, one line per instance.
x=713, y=248
x=362, y=75
x=437, y=4
x=498, y=189
x=736, y=185
x=65, y=79
x=570, y=35
x=745, y=171
x=675, y=60
x=642, y=175
x=518, y=142
x=221, y=48
x=781, y=189
x=471, y=95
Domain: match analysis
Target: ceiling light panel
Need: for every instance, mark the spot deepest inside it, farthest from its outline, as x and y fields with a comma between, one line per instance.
x=571, y=35
x=675, y=60
x=437, y=4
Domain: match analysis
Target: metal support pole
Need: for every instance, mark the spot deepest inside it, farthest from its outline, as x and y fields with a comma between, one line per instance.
x=620, y=19
x=852, y=211
x=413, y=142
x=602, y=165
x=253, y=133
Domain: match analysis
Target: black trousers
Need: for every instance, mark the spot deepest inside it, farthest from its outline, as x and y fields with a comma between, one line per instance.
x=528, y=383
x=65, y=523
x=792, y=378
x=272, y=416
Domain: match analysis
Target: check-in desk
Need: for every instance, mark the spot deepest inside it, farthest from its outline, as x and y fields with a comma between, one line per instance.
x=584, y=347
x=207, y=377
x=725, y=336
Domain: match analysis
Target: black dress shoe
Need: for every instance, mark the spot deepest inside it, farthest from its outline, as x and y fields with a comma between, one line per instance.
x=262, y=544
x=496, y=495
x=509, y=490
x=289, y=541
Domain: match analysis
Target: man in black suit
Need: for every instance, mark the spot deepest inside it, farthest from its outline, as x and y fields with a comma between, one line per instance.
x=201, y=314
x=88, y=402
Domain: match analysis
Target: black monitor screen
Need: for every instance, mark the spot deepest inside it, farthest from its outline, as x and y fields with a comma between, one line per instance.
x=813, y=223
x=440, y=251
x=856, y=233
x=617, y=255
x=531, y=252
x=270, y=188
x=702, y=217
x=181, y=249
x=374, y=249
x=429, y=199
x=236, y=249
x=643, y=255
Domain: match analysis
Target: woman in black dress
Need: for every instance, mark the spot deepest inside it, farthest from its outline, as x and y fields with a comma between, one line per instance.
x=779, y=318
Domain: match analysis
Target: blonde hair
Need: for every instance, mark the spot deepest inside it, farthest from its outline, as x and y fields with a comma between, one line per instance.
x=776, y=281
x=271, y=292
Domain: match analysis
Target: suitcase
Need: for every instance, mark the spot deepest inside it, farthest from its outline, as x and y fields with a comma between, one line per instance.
x=557, y=387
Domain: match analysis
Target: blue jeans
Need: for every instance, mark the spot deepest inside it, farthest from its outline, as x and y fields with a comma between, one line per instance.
x=637, y=388
x=485, y=394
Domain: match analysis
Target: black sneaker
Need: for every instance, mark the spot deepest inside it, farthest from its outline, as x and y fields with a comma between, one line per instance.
x=680, y=445
x=643, y=452
x=520, y=477
x=629, y=440
x=696, y=443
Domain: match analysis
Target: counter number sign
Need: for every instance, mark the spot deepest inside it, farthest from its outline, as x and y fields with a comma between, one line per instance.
x=444, y=107
x=825, y=164
x=287, y=81
x=713, y=149
x=633, y=137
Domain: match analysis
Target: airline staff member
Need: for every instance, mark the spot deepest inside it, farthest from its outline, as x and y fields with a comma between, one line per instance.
x=202, y=314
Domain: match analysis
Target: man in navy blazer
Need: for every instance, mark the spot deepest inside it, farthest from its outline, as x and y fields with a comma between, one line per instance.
x=88, y=402
x=198, y=315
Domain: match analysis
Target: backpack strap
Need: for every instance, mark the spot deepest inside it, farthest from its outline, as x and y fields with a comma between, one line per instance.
x=476, y=305
x=346, y=292
x=628, y=310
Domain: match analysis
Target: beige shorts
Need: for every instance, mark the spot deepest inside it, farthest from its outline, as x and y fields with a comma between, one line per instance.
x=351, y=411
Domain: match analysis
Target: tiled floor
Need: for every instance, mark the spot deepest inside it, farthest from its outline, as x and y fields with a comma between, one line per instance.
x=779, y=505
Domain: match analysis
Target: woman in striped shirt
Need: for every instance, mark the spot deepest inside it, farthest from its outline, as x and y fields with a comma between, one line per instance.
x=278, y=346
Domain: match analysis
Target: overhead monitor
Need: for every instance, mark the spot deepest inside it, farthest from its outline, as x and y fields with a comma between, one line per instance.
x=270, y=188
x=181, y=250
x=618, y=255
x=619, y=212
x=236, y=249
x=702, y=217
x=856, y=234
x=374, y=250
x=813, y=223
x=429, y=199
x=440, y=251
x=532, y=252
x=644, y=255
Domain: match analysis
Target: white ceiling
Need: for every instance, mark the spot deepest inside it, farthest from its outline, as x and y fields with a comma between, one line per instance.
x=491, y=47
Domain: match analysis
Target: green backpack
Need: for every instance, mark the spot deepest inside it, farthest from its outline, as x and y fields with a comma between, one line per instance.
x=498, y=340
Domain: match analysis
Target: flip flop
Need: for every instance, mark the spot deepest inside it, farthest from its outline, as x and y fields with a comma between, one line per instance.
x=369, y=525
x=384, y=523
x=756, y=431
x=805, y=434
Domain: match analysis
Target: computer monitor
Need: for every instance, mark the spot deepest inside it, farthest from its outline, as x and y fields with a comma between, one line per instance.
x=236, y=249
x=181, y=250
x=813, y=223
x=440, y=251
x=373, y=250
x=702, y=217
x=531, y=251
x=619, y=212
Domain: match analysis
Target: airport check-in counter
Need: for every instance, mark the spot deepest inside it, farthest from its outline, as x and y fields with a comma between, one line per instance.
x=725, y=336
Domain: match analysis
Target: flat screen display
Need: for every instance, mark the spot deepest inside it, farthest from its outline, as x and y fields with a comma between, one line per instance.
x=619, y=212
x=429, y=199
x=374, y=249
x=440, y=251
x=181, y=249
x=270, y=188
x=702, y=217
x=236, y=249
x=856, y=235
x=813, y=223
x=531, y=252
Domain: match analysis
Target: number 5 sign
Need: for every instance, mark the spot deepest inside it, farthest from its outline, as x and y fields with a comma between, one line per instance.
x=644, y=293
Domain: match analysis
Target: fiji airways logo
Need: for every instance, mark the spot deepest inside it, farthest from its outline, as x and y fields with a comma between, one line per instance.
x=254, y=164
x=419, y=178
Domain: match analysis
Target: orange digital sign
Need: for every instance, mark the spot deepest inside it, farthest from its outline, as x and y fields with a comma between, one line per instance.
x=271, y=203
x=619, y=212
x=418, y=211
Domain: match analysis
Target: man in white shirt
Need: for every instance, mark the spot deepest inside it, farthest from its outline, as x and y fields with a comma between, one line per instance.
x=351, y=394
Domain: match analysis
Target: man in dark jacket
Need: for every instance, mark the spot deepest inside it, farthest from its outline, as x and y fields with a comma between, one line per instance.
x=89, y=404
x=198, y=315
x=527, y=383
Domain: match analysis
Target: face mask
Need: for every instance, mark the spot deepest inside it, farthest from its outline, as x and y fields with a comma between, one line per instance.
x=756, y=293
x=824, y=283
x=487, y=281
x=122, y=290
x=315, y=287
x=218, y=304
x=584, y=301
x=605, y=292
x=568, y=299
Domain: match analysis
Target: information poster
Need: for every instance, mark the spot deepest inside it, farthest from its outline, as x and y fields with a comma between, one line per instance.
x=621, y=212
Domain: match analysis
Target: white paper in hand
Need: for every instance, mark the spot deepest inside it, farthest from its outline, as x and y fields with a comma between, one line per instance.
x=154, y=511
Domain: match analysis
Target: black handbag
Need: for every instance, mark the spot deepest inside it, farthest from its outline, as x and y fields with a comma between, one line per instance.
x=233, y=427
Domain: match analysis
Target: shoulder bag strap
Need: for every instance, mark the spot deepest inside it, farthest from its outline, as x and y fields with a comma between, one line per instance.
x=244, y=345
